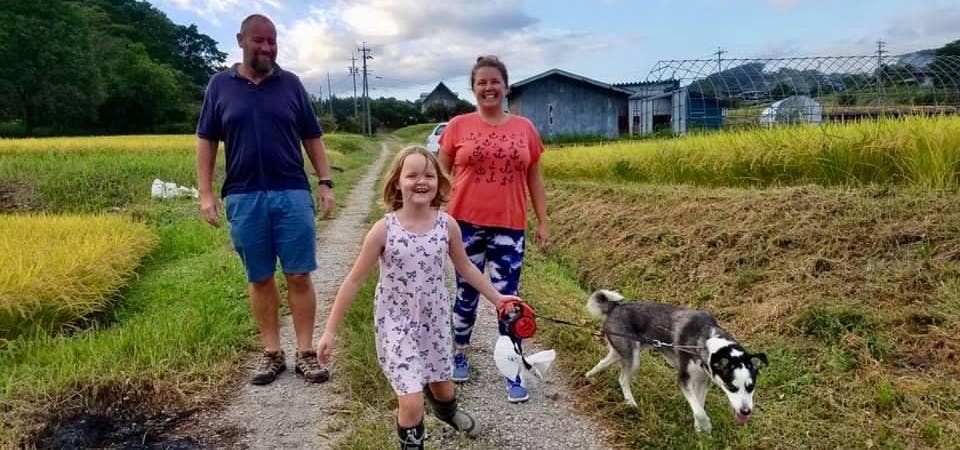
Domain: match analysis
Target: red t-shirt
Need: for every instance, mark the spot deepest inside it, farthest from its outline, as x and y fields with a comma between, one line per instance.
x=490, y=167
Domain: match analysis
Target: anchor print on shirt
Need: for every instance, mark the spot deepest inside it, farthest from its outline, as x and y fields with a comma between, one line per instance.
x=495, y=158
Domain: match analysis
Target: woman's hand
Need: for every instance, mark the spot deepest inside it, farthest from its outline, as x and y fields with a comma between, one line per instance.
x=543, y=236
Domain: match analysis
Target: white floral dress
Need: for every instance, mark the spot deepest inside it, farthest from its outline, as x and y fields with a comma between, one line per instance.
x=412, y=309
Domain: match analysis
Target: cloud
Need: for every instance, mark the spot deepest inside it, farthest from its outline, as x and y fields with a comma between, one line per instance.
x=213, y=9
x=911, y=29
x=932, y=27
x=418, y=43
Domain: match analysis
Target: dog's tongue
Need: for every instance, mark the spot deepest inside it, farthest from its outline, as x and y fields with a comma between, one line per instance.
x=740, y=418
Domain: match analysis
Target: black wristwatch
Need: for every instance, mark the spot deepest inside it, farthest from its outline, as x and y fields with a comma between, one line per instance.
x=325, y=182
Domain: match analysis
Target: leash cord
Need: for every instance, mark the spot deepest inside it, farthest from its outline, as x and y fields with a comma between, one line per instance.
x=654, y=343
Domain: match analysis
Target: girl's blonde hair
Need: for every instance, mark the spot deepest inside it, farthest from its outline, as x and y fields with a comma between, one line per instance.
x=393, y=200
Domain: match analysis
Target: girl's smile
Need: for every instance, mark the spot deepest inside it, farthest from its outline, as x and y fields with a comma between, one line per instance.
x=418, y=180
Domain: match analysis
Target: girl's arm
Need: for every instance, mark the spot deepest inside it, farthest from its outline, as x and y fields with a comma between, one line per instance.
x=370, y=251
x=466, y=269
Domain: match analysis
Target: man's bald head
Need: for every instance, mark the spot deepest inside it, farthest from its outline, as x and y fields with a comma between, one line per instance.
x=258, y=40
x=251, y=19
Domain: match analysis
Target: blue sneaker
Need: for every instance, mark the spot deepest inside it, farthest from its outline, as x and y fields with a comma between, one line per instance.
x=461, y=368
x=516, y=393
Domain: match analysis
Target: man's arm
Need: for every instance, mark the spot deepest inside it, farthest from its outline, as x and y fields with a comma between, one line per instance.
x=206, y=160
x=317, y=153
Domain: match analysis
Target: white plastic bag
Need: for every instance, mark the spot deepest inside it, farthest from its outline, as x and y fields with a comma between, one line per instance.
x=156, y=190
x=163, y=190
x=510, y=363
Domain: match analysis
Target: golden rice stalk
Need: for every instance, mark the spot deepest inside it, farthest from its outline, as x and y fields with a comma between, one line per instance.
x=134, y=144
x=60, y=269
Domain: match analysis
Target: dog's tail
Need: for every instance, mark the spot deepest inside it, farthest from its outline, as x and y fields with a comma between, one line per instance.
x=602, y=302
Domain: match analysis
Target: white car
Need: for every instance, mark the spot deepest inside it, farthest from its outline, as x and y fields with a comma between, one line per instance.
x=433, y=139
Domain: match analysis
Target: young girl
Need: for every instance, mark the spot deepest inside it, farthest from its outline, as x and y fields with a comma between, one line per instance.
x=412, y=310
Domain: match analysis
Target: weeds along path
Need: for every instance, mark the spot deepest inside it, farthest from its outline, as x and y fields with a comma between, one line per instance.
x=290, y=413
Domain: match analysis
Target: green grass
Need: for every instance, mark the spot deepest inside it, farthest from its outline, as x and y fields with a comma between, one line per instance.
x=414, y=134
x=851, y=293
x=176, y=332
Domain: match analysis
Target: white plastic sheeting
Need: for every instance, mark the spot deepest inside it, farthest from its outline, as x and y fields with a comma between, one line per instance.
x=792, y=110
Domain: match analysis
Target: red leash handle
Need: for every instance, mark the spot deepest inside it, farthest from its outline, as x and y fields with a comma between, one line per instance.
x=519, y=318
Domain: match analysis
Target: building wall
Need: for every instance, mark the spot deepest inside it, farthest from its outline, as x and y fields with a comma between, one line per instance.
x=575, y=108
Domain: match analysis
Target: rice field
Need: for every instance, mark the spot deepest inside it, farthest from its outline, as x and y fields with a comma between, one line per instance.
x=921, y=152
x=140, y=144
x=59, y=269
x=119, y=302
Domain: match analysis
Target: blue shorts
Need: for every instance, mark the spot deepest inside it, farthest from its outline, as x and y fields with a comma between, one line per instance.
x=267, y=225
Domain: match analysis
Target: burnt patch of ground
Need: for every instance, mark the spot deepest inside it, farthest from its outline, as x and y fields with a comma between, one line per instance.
x=152, y=417
x=91, y=430
x=18, y=196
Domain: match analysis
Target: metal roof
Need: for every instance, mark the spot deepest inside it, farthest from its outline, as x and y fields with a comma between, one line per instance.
x=572, y=76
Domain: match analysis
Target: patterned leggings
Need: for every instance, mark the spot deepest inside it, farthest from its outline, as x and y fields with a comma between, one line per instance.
x=501, y=251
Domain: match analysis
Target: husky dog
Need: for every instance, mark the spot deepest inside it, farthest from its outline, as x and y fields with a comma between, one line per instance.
x=691, y=341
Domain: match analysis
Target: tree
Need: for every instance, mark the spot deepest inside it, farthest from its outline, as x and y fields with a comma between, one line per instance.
x=142, y=94
x=393, y=113
x=89, y=66
x=198, y=54
x=47, y=74
x=439, y=112
x=782, y=90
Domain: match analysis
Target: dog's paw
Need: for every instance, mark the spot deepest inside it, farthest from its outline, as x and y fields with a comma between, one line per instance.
x=702, y=425
x=632, y=402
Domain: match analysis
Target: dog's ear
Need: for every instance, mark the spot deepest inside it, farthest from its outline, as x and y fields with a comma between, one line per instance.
x=758, y=360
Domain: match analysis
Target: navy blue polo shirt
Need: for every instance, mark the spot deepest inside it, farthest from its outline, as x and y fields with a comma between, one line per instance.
x=261, y=126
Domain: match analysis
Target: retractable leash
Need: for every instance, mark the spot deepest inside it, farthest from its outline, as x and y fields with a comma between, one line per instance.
x=520, y=322
x=655, y=343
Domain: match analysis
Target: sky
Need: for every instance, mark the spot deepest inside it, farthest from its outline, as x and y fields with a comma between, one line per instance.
x=417, y=43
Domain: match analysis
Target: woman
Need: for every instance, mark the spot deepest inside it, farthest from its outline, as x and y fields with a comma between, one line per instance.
x=494, y=157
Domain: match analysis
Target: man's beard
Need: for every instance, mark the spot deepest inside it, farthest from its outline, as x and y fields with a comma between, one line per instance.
x=262, y=64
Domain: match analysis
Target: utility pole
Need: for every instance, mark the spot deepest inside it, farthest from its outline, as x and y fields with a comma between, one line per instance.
x=330, y=94
x=880, y=52
x=353, y=72
x=364, y=52
x=719, y=53
x=320, y=99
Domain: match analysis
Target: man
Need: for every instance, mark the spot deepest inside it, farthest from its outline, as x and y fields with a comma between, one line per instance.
x=263, y=113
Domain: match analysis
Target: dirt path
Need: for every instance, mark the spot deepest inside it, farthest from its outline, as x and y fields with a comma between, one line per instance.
x=289, y=413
